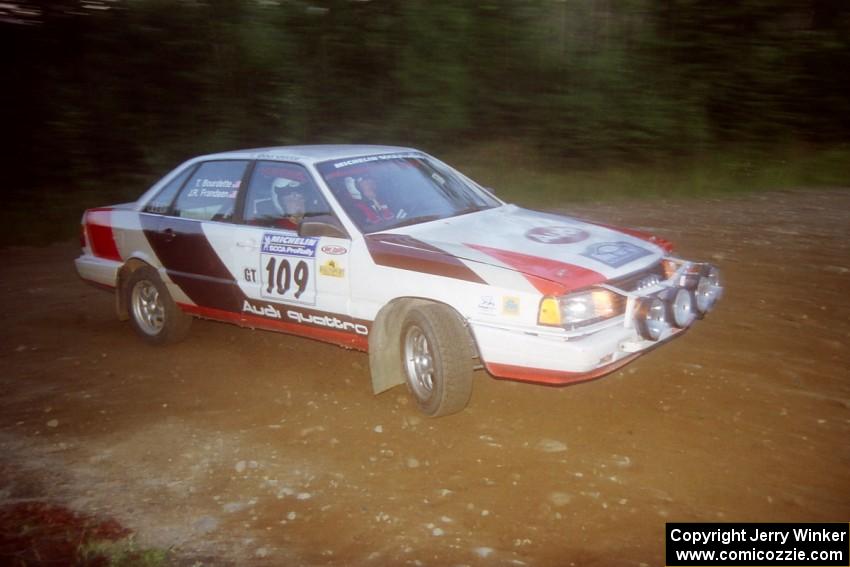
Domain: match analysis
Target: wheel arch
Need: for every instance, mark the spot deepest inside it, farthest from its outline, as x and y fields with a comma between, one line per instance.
x=124, y=273
x=385, y=364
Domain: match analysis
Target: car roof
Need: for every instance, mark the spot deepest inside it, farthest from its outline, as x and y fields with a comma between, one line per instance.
x=308, y=154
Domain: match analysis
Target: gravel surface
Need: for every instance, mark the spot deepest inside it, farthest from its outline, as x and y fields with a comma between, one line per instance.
x=254, y=448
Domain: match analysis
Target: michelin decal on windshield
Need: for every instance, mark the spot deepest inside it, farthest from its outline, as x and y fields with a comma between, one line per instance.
x=368, y=159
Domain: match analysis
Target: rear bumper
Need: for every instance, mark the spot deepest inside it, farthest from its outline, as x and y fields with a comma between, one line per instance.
x=98, y=271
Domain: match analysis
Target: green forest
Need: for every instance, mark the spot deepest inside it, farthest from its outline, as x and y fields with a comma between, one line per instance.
x=102, y=97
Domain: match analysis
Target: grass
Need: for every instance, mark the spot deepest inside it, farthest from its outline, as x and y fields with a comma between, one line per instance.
x=518, y=176
x=42, y=533
x=122, y=553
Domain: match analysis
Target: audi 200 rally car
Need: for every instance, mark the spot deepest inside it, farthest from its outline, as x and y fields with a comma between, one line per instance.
x=390, y=251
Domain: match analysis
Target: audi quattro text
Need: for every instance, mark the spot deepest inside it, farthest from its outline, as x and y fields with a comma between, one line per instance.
x=390, y=251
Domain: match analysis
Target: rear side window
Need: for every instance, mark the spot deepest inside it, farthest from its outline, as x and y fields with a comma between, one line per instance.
x=210, y=194
x=162, y=202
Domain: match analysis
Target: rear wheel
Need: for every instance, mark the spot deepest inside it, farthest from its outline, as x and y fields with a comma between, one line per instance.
x=437, y=357
x=153, y=314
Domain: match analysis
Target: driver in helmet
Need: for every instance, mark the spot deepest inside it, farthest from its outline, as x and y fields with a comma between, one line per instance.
x=288, y=198
x=372, y=208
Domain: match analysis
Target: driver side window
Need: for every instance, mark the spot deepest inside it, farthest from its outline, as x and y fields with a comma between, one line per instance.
x=280, y=195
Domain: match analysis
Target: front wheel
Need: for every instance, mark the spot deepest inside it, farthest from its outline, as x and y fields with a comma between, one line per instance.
x=153, y=314
x=437, y=357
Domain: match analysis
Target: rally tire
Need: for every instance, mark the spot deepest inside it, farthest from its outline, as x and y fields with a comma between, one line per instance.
x=437, y=358
x=153, y=314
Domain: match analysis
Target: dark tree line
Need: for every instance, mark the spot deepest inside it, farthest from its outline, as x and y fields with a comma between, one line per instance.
x=94, y=90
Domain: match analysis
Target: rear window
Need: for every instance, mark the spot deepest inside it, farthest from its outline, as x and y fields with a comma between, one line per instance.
x=210, y=194
x=162, y=202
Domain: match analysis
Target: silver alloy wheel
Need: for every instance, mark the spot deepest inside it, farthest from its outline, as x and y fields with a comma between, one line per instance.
x=148, y=310
x=419, y=362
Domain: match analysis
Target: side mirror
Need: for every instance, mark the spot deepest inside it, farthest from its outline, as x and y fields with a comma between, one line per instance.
x=322, y=225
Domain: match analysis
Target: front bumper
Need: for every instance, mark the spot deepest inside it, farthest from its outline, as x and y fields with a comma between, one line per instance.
x=555, y=356
x=558, y=361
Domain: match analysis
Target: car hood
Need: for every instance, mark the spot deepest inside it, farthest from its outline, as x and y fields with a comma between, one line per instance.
x=562, y=250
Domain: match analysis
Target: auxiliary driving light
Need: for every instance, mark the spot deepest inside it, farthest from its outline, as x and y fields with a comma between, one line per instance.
x=708, y=289
x=680, y=308
x=651, y=319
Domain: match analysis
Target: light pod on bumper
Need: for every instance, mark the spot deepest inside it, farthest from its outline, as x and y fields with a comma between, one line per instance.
x=681, y=310
x=651, y=319
x=708, y=289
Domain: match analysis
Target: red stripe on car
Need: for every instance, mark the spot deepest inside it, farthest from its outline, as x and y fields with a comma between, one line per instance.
x=100, y=235
x=550, y=277
x=341, y=338
x=553, y=377
x=406, y=253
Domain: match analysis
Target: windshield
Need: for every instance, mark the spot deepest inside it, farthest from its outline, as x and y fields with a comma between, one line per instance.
x=387, y=191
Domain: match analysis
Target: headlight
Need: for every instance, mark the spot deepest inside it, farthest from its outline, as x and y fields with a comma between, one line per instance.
x=651, y=318
x=582, y=308
x=708, y=289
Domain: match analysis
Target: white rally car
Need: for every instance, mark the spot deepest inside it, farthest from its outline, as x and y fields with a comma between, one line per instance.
x=390, y=251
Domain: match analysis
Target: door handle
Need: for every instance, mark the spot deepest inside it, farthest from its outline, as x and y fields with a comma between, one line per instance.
x=168, y=235
x=250, y=243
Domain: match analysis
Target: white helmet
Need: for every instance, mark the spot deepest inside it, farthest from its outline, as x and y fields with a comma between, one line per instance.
x=352, y=189
x=278, y=190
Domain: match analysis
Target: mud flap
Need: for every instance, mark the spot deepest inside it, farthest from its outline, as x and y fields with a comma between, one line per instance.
x=385, y=361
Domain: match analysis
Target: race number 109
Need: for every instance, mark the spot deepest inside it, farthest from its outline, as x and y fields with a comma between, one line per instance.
x=287, y=279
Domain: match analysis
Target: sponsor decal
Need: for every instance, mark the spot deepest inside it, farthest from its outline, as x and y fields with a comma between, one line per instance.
x=367, y=159
x=265, y=311
x=218, y=183
x=281, y=156
x=287, y=281
x=287, y=265
x=213, y=193
x=328, y=321
x=332, y=269
x=510, y=305
x=215, y=188
x=274, y=243
x=487, y=304
x=557, y=234
x=657, y=240
x=334, y=250
x=615, y=254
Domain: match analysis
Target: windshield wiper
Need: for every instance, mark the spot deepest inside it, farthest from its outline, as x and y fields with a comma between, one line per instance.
x=417, y=220
x=471, y=209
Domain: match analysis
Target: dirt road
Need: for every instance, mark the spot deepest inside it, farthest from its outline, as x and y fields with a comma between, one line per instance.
x=247, y=447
